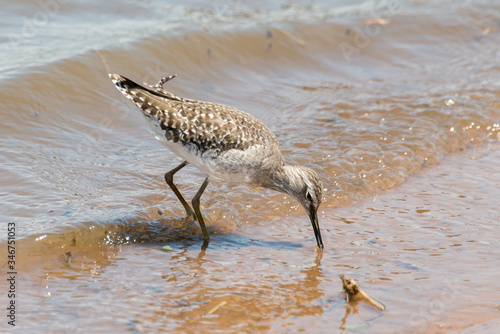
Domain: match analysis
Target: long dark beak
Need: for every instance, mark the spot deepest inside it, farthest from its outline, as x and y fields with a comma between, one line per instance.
x=313, y=214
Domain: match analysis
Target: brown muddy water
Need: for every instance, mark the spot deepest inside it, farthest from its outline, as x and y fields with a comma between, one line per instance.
x=394, y=104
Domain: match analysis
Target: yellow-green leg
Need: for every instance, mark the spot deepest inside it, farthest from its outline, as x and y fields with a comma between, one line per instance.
x=196, y=206
x=169, y=178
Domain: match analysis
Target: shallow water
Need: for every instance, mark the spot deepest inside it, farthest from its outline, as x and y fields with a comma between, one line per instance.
x=379, y=98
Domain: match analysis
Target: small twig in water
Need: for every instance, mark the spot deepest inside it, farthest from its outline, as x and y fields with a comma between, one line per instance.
x=354, y=293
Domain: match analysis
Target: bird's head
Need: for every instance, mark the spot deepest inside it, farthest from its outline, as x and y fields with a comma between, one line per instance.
x=304, y=184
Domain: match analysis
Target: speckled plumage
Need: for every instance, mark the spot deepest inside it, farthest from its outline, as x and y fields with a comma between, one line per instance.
x=224, y=142
x=220, y=135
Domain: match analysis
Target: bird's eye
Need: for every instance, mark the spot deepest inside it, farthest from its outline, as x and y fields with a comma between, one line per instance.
x=308, y=196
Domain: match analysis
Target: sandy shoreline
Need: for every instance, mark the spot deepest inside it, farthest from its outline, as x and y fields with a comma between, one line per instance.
x=441, y=230
x=427, y=249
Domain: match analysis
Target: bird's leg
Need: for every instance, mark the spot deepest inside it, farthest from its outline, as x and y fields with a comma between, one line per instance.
x=169, y=178
x=165, y=80
x=196, y=207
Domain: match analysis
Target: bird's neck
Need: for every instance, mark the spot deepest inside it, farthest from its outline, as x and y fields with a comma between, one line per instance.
x=286, y=180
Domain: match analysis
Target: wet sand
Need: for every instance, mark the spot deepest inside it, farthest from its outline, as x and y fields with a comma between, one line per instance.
x=428, y=250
